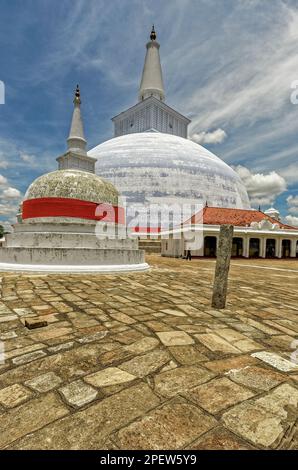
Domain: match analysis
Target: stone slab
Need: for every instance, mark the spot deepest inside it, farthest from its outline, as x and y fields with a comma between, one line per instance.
x=276, y=361
x=172, y=426
x=78, y=393
x=109, y=376
x=173, y=382
x=14, y=395
x=45, y=382
x=89, y=428
x=175, y=338
x=218, y=394
x=30, y=417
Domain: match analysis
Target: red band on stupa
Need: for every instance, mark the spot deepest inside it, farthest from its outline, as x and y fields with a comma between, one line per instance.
x=65, y=207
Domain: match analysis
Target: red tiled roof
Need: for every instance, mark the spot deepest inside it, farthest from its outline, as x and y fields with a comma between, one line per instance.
x=236, y=217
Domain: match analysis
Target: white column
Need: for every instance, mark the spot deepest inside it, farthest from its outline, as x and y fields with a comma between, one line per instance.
x=263, y=247
x=246, y=246
x=278, y=247
x=293, y=248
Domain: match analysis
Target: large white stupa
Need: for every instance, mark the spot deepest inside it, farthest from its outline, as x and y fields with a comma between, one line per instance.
x=150, y=159
x=70, y=219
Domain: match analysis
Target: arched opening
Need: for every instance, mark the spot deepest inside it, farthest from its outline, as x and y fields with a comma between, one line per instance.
x=237, y=247
x=297, y=249
x=286, y=249
x=270, y=248
x=254, y=247
x=210, y=246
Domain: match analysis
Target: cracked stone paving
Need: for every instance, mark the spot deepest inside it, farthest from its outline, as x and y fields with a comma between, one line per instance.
x=141, y=361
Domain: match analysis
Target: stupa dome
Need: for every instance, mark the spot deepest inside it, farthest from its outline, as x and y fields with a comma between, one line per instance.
x=155, y=167
x=73, y=184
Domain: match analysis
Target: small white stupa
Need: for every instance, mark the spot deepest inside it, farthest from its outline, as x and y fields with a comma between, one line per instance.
x=70, y=218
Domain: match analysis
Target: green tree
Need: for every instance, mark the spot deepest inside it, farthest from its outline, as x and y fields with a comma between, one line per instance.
x=1, y=231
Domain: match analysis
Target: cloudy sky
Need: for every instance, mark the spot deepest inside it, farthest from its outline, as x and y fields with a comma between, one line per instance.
x=229, y=65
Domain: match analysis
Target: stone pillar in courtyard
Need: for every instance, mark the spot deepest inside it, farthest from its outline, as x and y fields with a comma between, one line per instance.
x=222, y=266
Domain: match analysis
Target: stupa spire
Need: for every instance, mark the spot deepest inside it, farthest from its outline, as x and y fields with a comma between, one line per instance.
x=152, y=82
x=76, y=140
x=76, y=155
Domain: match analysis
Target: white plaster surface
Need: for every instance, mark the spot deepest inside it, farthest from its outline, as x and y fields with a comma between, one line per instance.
x=154, y=167
x=74, y=268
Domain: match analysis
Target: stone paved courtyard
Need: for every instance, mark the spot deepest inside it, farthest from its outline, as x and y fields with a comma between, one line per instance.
x=141, y=361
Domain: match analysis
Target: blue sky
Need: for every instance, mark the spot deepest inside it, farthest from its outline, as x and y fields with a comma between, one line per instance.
x=227, y=64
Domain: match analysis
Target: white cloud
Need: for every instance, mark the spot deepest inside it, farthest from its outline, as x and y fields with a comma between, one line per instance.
x=3, y=164
x=27, y=158
x=11, y=193
x=262, y=188
x=3, y=180
x=290, y=172
x=292, y=220
x=8, y=209
x=214, y=137
x=292, y=202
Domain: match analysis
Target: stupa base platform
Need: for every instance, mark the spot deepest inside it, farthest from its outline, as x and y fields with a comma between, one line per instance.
x=72, y=269
x=68, y=247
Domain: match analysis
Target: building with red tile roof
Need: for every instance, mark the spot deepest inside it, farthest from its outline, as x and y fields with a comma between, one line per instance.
x=256, y=234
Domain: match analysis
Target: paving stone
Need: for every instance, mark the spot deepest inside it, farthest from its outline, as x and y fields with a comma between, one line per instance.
x=122, y=317
x=230, y=335
x=219, y=439
x=172, y=426
x=33, y=323
x=157, y=325
x=61, y=347
x=179, y=380
x=218, y=394
x=28, y=357
x=44, y=382
x=14, y=395
x=8, y=318
x=216, y=343
x=187, y=355
x=256, y=377
x=176, y=313
x=116, y=355
x=50, y=332
x=259, y=314
x=19, y=351
x=29, y=417
x=109, y=376
x=95, y=337
x=224, y=365
x=128, y=337
x=8, y=335
x=67, y=364
x=89, y=429
x=264, y=421
x=141, y=366
x=175, y=338
x=143, y=345
x=276, y=361
x=78, y=393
